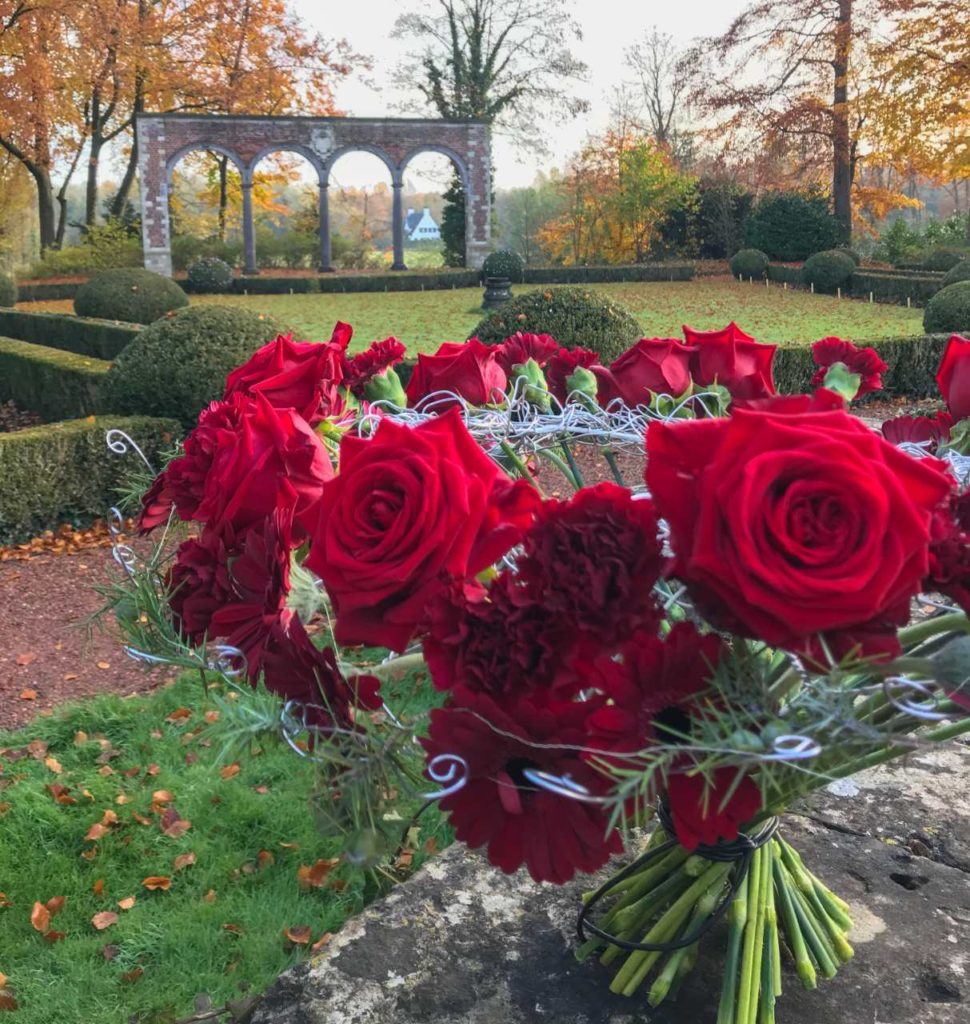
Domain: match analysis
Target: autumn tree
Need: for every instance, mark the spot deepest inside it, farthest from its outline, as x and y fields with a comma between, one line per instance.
x=661, y=85
x=509, y=65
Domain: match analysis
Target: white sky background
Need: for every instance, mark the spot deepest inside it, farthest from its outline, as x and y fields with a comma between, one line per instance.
x=608, y=27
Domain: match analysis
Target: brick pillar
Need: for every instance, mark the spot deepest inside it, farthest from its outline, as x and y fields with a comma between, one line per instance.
x=153, y=187
x=397, y=227
x=249, y=230
x=325, y=260
x=478, y=197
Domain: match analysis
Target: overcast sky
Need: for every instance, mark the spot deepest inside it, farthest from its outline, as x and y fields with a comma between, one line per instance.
x=608, y=27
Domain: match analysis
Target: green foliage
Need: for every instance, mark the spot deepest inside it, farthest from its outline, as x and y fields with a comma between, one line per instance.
x=63, y=471
x=102, y=247
x=943, y=259
x=896, y=286
x=850, y=252
x=958, y=272
x=186, y=249
x=453, y=223
x=176, y=366
x=102, y=339
x=749, y=263
x=135, y=296
x=210, y=275
x=504, y=263
x=828, y=270
x=790, y=226
x=949, y=309
x=573, y=316
x=293, y=250
x=8, y=290
x=897, y=244
x=722, y=212
x=54, y=384
x=45, y=291
x=901, y=244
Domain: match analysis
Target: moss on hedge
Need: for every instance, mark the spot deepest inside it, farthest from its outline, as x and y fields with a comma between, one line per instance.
x=64, y=472
x=54, y=384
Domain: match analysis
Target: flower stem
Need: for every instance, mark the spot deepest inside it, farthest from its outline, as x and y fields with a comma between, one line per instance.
x=573, y=466
x=520, y=467
x=796, y=938
x=737, y=918
x=753, y=943
x=956, y=622
x=610, y=457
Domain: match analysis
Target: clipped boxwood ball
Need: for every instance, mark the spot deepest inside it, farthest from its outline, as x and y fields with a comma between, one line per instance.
x=850, y=252
x=958, y=272
x=210, y=275
x=8, y=290
x=575, y=317
x=131, y=294
x=943, y=259
x=948, y=310
x=828, y=270
x=177, y=365
x=749, y=263
x=504, y=263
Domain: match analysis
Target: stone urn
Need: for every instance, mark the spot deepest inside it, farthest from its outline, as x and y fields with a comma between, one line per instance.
x=497, y=291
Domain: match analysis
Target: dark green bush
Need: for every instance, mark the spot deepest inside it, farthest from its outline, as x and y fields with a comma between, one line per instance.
x=850, y=252
x=102, y=339
x=828, y=270
x=949, y=309
x=783, y=274
x=101, y=248
x=958, y=272
x=177, y=365
x=606, y=274
x=54, y=384
x=749, y=263
x=893, y=286
x=130, y=294
x=791, y=226
x=573, y=316
x=209, y=275
x=504, y=263
x=41, y=291
x=8, y=291
x=64, y=472
x=186, y=249
x=943, y=259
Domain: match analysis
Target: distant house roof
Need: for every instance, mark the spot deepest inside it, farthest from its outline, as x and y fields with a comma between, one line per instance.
x=411, y=220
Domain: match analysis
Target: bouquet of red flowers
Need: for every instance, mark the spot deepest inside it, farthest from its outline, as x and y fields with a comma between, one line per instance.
x=701, y=646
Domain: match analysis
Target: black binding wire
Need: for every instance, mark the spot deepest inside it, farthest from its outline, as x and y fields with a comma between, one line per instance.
x=737, y=851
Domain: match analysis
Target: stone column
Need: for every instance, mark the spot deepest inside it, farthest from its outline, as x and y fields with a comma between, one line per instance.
x=397, y=227
x=249, y=230
x=325, y=265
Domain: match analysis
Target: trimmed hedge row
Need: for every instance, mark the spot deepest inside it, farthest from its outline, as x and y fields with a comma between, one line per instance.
x=102, y=339
x=886, y=286
x=64, y=471
x=605, y=275
x=784, y=274
x=54, y=384
x=43, y=291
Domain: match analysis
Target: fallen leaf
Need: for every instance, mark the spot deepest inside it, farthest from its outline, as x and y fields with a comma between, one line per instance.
x=162, y=796
x=154, y=882
x=40, y=917
x=104, y=664
x=230, y=771
x=152, y=769
x=211, y=716
x=173, y=826
x=7, y=1001
x=109, y=952
x=3, y=980
x=299, y=935
x=338, y=885
x=4, y=902
x=60, y=793
x=55, y=905
x=265, y=859
x=183, y=860
x=321, y=942
x=133, y=975
x=178, y=715
x=210, y=896
x=53, y=937
x=27, y=658
x=5, y=806
x=98, y=887
x=90, y=854
x=80, y=737
x=53, y=764
x=236, y=929
x=262, y=790
x=69, y=677
x=95, y=832
x=316, y=876
x=28, y=694
x=431, y=846
x=140, y=818
x=37, y=749
x=104, y=919
x=127, y=903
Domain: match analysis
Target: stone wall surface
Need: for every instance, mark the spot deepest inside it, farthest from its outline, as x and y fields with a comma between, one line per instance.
x=461, y=943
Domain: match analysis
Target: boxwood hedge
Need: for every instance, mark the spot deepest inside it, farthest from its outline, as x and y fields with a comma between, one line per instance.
x=103, y=339
x=54, y=384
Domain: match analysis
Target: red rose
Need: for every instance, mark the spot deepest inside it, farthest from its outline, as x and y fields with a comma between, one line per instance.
x=703, y=812
x=562, y=366
x=949, y=571
x=658, y=365
x=521, y=347
x=786, y=525
x=411, y=510
x=953, y=376
x=732, y=359
x=466, y=369
x=300, y=375
x=933, y=430
x=864, y=361
x=359, y=369
x=499, y=808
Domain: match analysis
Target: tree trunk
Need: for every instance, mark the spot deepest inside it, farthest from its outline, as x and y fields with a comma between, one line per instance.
x=45, y=206
x=841, y=148
x=117, y=207
x=91, y=191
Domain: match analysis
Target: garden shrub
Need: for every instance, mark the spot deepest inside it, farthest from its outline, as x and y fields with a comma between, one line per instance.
x=102, y=339
x=42, y=291
x=63, y=471
x=606, y=274
x=949, y=309
x=54, y=384
x=133, y=295
x=749, y=263
x=186, y=249
x=8, y=291
x=943, y=259
x=177, y=365
x=504, y=263
x=573, y=316
x=102, y=248
x=828, y=270
x=790, y=226
x=893, y=286
x=210, y=275
x=850, y=252
x=958, y=272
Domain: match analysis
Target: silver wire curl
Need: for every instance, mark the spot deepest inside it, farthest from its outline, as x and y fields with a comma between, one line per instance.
x=120, y=443
x=894, y=686
x=449, y=770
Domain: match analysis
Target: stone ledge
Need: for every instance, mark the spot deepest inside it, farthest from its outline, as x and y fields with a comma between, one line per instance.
x=461, y=943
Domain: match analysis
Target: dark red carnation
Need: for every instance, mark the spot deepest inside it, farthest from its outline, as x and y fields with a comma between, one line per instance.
x=499, y=808
x=923, y=430
x=953, y=376
x=359, y=369
x=412, y=510
x=468, y=370
x=522, y=347
x=702, y=810
x=786, y=526
x=949, y=569
x=564, y=363
x=198, y=582
x=651, y=366
x=733, y=360
x=866, y=362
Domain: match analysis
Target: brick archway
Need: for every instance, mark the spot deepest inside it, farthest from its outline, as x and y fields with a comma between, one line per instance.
x=163, y=139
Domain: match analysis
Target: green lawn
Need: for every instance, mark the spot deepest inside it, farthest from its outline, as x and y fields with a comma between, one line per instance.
x=219, y=928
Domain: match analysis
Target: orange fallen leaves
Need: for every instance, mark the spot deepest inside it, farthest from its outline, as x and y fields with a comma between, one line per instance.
x=299, y=935
x=230, y=771
x=104, y=919
x=98, y=887
x=40, y=917
x=321, y=942
x=155, y=882
x=127, y=903
x=316, y=876
x=173, y=825
x=28, y=694
x=27, y=658
x=183, y=860
x=179, y=715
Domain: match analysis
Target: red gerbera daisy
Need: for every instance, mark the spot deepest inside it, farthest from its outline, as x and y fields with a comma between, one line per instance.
x=702, y=810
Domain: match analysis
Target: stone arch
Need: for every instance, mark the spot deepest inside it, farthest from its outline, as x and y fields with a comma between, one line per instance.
x=205, y=147
x=459, y=165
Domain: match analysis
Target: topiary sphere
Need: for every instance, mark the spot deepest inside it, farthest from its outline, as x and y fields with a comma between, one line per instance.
x=176, y=366
x=943, y=259
x=749, y=263
x=131, y=294
x=828, y=270
x=503, y=263
x=948, y=310
x=8, y=291
x=850, y=252
x=958, y=272
x=210, y=275
x=575, y=317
